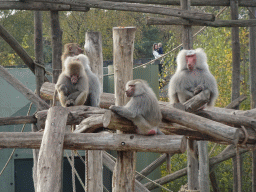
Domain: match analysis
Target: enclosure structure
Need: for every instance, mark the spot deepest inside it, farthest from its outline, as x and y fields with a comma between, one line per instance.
x=232, y=127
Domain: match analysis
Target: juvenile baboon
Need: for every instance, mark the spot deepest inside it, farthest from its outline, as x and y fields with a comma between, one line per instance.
x=72, y=85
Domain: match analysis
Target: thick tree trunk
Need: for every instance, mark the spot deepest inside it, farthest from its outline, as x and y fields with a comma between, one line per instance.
x=49, y=167
x=93, y=49
x=123, y=41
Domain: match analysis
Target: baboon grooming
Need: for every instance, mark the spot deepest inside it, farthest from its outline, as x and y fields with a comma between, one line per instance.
x=93, y=98
x=72, y=85
x=191, y=77
x=143, y=109
x=70, y=49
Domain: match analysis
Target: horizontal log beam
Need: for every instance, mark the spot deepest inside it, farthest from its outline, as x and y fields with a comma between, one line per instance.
x=216, y=23
x=39, y=6
x=203, y=125
x=76, y=114
x=232, y=120
x=47, y=92
x=135, y=8
x=242, y=3
x=17, y=120
x=96, y=141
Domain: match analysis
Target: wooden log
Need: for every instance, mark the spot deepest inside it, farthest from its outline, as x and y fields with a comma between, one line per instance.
x=39, y=72
x=110, y=164
x=212, y=128
x=98, y=141
x=90, y=124
x=197, y=101
x=49, y=167
x=203, y=176
x=136, y=8
x=123, y=179
x=242, y=3
x=93, y=49
x=39, y=6
x=232, y=120
x=217, y=23
x=223, y=156
x=56, y=45
x=252, y=60
x=22, y=89
x=47, y=92
x=108, y=99
x=76, y=114
x=214, y=182
x=17, y=120
x=235, y=103
x=18, y=49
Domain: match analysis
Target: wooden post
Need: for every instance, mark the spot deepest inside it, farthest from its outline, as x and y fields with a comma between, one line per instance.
x=235, y=74
x=94, y=170
x=49, y=167
x=39, y=72
x=192, y=162
x=252, y=58
x=123, y=42
x=56, y=45
x=203, y=166
x=93, y=49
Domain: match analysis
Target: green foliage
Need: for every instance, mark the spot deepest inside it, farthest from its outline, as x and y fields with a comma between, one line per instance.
x=19, y=25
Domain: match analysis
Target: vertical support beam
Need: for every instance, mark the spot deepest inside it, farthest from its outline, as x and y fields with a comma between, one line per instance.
x=192, y=162
x=39, y=72
x=203, y=166
x=56, y=45
x=123, y=42
x=187, y=38
x=215, y=186
x=49, y=166
x=235, y=74
x=252, y=58
x=235, y=52
x=93, y=49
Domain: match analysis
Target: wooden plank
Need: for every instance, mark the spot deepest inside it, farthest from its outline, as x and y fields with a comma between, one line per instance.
x=49, y=167
x=98, y=141
x=41, y=104
x=217, y=23
x=136, y=8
